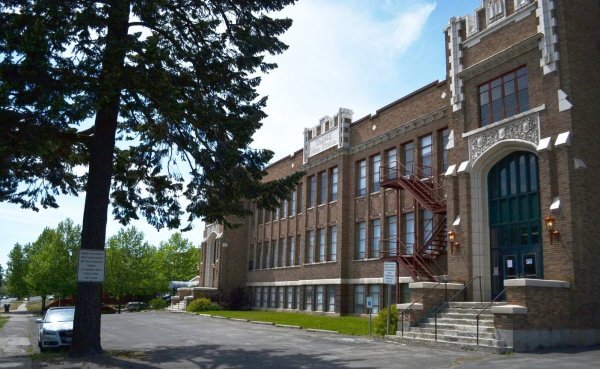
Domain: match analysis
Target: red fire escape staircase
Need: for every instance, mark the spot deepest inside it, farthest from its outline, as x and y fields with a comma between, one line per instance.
x=428, y=191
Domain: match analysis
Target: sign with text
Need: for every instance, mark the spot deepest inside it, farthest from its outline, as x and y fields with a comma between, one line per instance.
x=323, y=142
x=90, y=267
x=389, y=272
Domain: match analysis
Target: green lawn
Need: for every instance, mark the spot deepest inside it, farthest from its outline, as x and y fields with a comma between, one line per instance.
x=3, y=320
x=352, y=325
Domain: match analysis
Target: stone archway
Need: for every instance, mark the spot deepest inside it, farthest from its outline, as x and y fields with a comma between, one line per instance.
x=479, y=208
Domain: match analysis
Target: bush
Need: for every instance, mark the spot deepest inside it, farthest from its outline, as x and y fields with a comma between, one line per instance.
x=157, y=303
x=380, y=323
x=201, y=304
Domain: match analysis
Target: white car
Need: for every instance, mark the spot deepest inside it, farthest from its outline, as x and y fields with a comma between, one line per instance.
x=56, y=328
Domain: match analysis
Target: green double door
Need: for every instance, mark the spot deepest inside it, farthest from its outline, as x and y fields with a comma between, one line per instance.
x=515, y=221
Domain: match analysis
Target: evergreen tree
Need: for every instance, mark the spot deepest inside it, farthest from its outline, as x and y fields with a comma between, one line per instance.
x=172, y=82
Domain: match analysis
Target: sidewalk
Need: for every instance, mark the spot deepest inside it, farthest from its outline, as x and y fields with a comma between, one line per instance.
x=15, y=340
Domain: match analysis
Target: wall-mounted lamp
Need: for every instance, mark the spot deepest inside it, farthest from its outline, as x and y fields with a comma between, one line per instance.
x=550, y=226
x=451, y=240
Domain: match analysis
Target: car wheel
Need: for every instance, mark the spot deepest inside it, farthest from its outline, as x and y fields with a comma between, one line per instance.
x=42, y=348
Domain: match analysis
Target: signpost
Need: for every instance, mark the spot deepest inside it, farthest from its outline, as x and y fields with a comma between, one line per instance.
x=370, y=307
x=389, y=278
x=90, y=266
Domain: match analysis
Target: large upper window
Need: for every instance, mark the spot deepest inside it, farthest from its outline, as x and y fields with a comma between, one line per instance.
x=375, y=168
x=361, y=250
x=312, y=192
x=409, y=158
x=322, y=188
x=361, y=168
x=310, y=255
x=333, y=184
x=503, y=97
x=375, y=237
x=426, y=145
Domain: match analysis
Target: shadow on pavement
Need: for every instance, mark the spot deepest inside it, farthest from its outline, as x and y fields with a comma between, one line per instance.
x=201, y=356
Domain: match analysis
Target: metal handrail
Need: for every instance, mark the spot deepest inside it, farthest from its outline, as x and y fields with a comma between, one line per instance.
x=485, y=308
x=439, y=308
x=409, y=307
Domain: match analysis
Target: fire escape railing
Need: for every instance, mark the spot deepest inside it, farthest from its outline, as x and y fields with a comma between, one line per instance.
x=430, y=193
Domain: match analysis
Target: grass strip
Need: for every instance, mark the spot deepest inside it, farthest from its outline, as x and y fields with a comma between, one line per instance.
x=351, y=325
x=3, y=320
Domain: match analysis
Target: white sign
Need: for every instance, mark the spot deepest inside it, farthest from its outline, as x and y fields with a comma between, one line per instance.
x=91, y=266
x=389, y=272
x=323, y=142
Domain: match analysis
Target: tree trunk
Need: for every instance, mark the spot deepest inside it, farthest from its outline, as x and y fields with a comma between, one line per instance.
x=86, y=327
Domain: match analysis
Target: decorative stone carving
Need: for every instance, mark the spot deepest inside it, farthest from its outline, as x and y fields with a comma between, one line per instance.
x=214, y=228
x=524, y=128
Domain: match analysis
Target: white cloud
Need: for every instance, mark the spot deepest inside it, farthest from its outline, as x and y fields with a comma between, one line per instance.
x=340, y=55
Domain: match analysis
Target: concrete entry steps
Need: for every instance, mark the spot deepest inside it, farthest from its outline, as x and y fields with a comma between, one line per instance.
x=457, y=329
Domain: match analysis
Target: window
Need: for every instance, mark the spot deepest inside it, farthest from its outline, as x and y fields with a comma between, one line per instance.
x=266, y=256
x=281, y=298
x=375, y=168
x=360, y=241
x=284, y=209
x=333, y=243
x=503, y=97
x=276, y=213
x=361, y=188
x=265, y=298
x=426, y=145
x=273, y=295
x=310, y=255
x=359, y=299
x=322, y=236
x=291, y=251
x=375, y=237
x=282, y=252
x=251, y=258
x=308, y=297
x=322, y=188
x=299, y=200
x=312, y=192
x=320, y=298
x=257, y=296
x=444, y=138
x=293, y=204
x=272, y=252
x=391, y=228
x=297, y=300
x=392, y=164
x=333, y=184
x=375, y=293
x=331, y=298
x=408, y=236
x=409, y=158
x=260, y=256
x=427, y=226
x=290, y=297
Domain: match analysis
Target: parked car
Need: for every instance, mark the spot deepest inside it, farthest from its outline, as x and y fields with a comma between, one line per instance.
x=56, y=328
x=135, y=306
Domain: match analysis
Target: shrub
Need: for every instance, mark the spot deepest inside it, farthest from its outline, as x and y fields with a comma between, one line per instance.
x=380, y=323
x=157, y=303
x=201, y=304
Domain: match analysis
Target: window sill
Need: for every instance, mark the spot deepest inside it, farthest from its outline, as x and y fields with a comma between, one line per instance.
x=366, y=259
x=321, y=262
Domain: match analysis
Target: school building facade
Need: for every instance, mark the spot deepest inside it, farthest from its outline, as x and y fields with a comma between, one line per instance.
x=487, y=179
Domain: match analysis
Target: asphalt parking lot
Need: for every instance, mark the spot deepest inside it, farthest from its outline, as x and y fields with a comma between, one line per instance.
x=177, y=340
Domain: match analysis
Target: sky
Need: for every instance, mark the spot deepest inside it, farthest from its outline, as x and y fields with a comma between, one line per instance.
x=356, y=54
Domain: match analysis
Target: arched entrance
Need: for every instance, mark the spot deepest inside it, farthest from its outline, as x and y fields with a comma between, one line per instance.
x=514, y=219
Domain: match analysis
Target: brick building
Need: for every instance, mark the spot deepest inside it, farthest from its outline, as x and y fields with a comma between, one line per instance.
x=485, y=179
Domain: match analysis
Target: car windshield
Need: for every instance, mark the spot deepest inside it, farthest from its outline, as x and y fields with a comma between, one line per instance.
x=62, y=315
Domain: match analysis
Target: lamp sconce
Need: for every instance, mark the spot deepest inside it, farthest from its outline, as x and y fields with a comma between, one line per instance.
x=551, y=227
x=452, y=241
